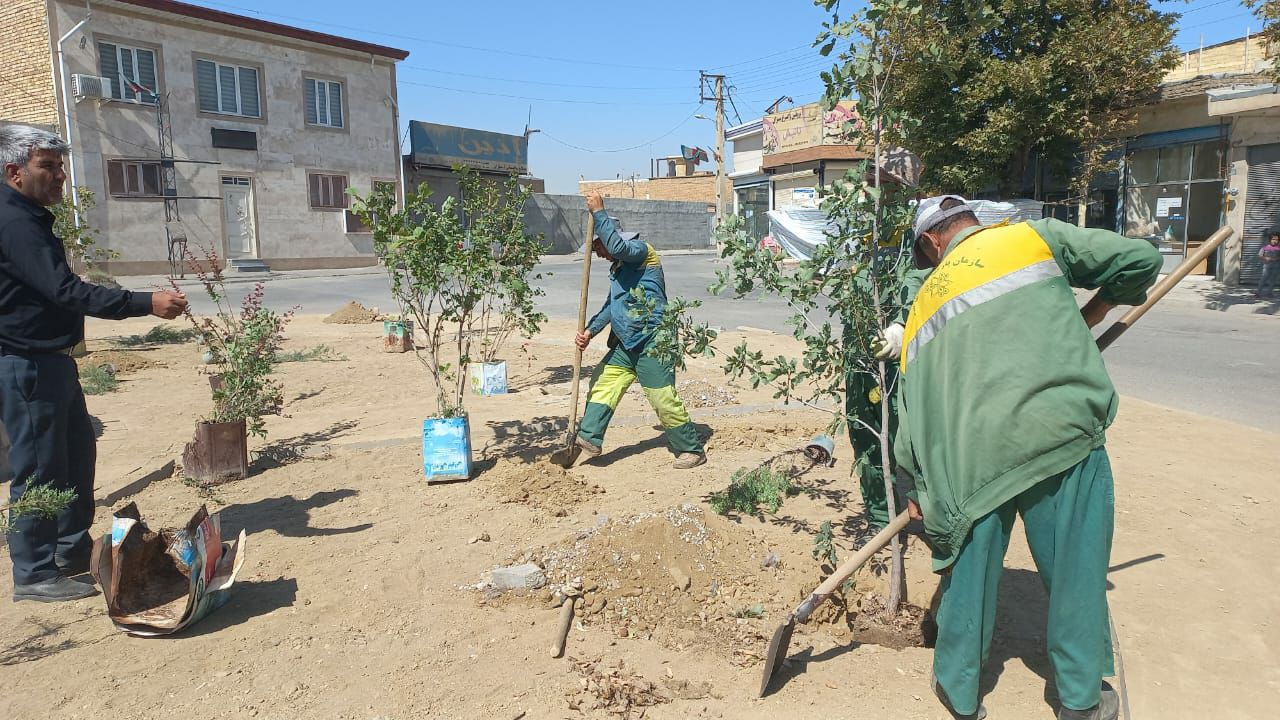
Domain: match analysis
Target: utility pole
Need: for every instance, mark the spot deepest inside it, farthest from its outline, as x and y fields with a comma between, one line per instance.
x=718, y=96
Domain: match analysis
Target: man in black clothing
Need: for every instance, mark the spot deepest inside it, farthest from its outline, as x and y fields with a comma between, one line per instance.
x=42, y=309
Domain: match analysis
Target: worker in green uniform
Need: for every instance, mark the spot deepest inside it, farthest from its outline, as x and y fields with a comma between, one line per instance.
x=862, y=399
x=1004, y=410
x=636, y=268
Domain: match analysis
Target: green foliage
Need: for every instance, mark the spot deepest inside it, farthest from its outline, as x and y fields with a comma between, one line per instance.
x=159, y=335
x=993, y=83
x=749, y=612
x=462, y=271
x=39, y=500
x=244, y=342
x=205, y=492
x=81, y=242
x=750, y=489
x=824, y=544
x=97, y=380
x=319, y=353
x=677, y=336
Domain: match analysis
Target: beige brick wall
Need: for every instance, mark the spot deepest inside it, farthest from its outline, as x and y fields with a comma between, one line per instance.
x=696, y=189
x=25, y=57
x=1230, y=57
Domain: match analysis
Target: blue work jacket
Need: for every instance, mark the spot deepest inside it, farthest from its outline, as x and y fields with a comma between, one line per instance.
x=635, y=265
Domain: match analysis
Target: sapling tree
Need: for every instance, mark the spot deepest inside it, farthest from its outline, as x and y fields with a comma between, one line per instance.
x=849, y=290
x=462, y=271
x=80, y=241
x=38, y=500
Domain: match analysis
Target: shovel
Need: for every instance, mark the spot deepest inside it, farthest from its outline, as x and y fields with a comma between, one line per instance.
x=566, y=456
x=782, y=636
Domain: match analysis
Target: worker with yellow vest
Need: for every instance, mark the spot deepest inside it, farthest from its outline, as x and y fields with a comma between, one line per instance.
x=1004, y=410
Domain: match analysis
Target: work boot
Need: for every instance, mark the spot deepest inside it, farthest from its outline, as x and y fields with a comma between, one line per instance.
x=687, y=460
x=55, y=589
x=979, y=714
x=587, y=447
x=1108, y=708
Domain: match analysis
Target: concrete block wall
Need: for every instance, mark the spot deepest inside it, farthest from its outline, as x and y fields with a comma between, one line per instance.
x=1228, y=57
x=28, y=62
x=665, y=224
x=699, y=188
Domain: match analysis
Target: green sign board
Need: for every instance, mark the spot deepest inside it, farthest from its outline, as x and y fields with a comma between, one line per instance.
x=446, y=146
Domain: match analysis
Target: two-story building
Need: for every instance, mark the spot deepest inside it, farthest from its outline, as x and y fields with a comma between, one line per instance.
x=230, y=133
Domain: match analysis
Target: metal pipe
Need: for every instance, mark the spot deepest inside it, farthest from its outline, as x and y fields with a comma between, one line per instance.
x=66, y=113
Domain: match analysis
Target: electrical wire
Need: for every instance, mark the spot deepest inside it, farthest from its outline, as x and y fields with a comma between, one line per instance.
x=625, y=149
x=538, y=99
x=85, y=124
x=519, y=81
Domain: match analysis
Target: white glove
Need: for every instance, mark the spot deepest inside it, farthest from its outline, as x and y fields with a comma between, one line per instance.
x=889, y=345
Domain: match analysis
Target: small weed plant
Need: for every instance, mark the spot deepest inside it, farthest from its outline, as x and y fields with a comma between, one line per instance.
x=824, y=545
x=750, y=490
x=159, y=335
x=749, y=612
x=319, y=353
x=97, y=380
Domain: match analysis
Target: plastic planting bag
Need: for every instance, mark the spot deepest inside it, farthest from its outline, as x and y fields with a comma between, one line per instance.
x=157, y=583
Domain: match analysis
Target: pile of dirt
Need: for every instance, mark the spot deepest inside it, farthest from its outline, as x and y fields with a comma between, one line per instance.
x=124, y=361
x=539, y=484
x=353, y=313
x=702, y=394
x=684, y=577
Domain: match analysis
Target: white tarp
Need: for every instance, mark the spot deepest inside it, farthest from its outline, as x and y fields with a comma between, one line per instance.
x=799, y=230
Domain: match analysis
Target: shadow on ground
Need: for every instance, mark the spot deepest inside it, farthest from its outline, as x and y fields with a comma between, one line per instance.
x=286, y=515
x=300, y=447
x=1222, y=297
x=41, y=642
x=248, y=600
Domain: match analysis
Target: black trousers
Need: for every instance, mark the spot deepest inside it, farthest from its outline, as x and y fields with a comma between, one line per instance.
x=51, y=442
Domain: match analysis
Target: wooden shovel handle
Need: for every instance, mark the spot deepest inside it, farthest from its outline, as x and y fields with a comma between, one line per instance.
x=850, y=566
x=1163, y=287
x=587, y=231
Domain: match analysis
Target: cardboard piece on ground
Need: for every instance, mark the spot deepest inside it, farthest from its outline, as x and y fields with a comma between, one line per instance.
x=158, y=583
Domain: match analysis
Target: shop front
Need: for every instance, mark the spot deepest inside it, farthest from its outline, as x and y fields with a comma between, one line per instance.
x=1174, y=189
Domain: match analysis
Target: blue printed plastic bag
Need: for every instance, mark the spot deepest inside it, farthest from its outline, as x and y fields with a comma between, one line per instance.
x=446, y=449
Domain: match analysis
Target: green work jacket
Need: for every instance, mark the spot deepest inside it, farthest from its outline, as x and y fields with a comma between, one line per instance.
x=1002, y=384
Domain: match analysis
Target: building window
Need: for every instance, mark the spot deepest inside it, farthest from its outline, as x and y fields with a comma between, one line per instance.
x=132, y=72
x=324, y=103
x=227, y=89
x=133, y=178
x=327, y=192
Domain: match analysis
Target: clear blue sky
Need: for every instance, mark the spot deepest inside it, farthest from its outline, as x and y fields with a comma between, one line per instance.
x=607, y=76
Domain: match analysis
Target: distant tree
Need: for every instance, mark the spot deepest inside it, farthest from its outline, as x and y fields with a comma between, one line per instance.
x=993, y=82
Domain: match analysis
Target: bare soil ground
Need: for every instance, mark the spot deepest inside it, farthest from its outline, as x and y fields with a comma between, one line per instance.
x=365, y=595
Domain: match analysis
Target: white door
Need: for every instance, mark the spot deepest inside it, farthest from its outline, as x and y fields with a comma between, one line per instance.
x=237, y=213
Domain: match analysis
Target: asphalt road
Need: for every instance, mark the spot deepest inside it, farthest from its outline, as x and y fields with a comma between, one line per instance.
x=1181, y=355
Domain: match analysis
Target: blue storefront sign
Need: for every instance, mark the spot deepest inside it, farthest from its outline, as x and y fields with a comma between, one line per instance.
x=446, y=146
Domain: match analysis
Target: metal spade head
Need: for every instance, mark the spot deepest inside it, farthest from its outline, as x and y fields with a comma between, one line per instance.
x=566, y=456
x=777, y=651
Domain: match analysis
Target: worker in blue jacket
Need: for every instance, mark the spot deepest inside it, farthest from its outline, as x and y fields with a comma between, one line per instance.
x=632, y=322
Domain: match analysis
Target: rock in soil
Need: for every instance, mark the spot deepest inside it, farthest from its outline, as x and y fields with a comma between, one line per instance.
x=519, y=577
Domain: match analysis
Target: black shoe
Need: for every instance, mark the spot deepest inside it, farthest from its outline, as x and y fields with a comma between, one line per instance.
x=1108, y=708
x=56, y=589
x=978, y=714
x=71, y=567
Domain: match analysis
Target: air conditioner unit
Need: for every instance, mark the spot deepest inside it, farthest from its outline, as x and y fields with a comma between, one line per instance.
x=91, y=86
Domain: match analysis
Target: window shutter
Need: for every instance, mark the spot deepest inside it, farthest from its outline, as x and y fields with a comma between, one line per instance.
x=313, y=189
x=335, y=104
x=249, y=104
x=207, y=85
x=340, y=190
x=126, y=72
x=310, y=102
x=147, y=74
x=109, y=66
x=115, y=177
x=322, y=103
x=227, y=88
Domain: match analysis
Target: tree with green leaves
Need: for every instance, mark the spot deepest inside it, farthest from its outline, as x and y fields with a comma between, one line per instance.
x=850, y=290
x=80, y=240
x=994, y=83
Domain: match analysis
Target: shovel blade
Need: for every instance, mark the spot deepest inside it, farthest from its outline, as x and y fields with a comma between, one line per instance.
x=566, y=456
x=778, y=645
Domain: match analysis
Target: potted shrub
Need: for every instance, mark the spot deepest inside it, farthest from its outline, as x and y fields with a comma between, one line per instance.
x=242, y=344
x=461, y=274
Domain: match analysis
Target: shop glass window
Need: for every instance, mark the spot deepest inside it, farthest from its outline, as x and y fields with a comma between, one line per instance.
x=1207, y=164
x=1142, y=166
x=1175, y=163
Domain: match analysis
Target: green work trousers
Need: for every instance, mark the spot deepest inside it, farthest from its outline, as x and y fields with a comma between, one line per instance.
x=1068, y=520
x=860, y=390
x=611, y=379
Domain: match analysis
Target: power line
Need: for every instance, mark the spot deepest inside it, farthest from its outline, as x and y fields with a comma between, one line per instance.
x=625, y=149
x=1206, y=7
x=520, y=81
x=806, y=46
x=537, y=99
x=82, y=123
x=442, y=43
